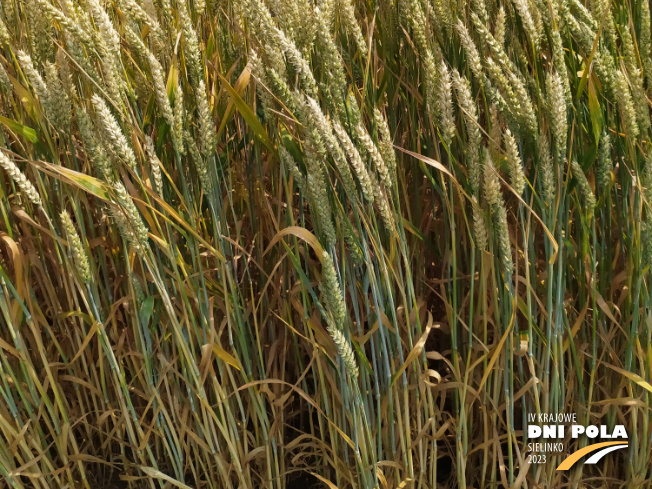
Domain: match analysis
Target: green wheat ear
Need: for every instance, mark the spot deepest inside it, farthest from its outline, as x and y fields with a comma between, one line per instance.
x=459, y=192
x=335, y=305
x=155, y=165
x=584, y=185
x=129, y=221
x=20, y=179
x=79, y=257
x=330, y=287
x=115, y=138
x=514, y=164
x=345, y=351
x=445, y=103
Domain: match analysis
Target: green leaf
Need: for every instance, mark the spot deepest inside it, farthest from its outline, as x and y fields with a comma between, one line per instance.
x=27, y=132
x=240, y=85
x=595, y=111
x=146, y=309
x=250, y=118
x=85, y=182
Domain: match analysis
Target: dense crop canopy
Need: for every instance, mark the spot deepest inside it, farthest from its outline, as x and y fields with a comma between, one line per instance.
x=276, y=243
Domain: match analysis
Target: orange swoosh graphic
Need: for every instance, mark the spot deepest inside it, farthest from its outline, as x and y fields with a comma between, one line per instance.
x=574, y=457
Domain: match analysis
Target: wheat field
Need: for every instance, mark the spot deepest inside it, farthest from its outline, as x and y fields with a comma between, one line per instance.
x=322, y=243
